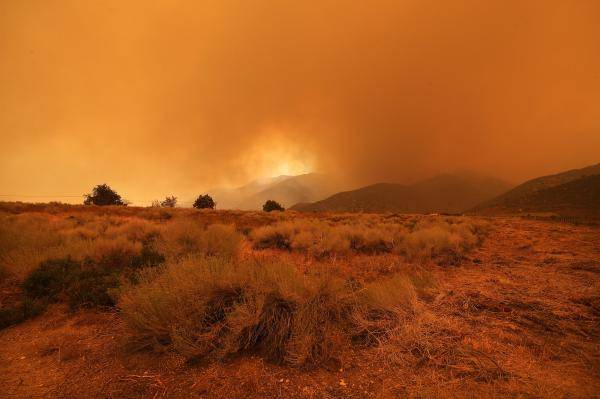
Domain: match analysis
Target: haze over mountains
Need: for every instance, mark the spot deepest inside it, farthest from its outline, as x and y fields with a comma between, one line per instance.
x=574, y=192
x=445, y=193
x=287, y=190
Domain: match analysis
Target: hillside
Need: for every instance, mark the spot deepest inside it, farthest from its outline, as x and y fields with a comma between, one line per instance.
x=552, y=193
x=579, y=197
x=230, y=198
x=287, y=190
x=540, y=183
x=295, y=189
x=444, y=193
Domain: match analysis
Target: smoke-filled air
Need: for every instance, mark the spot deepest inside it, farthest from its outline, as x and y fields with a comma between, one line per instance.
x=309, y=199
x=179, y=97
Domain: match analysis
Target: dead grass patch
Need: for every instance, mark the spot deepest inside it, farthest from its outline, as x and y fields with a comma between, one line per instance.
x=446, y=239
x=218, y=307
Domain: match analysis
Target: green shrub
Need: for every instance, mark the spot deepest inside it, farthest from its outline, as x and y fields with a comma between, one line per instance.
x=271, y=206
x=90, y=286
x=204, y=202
x=86, y=283
x=50, y=279
x=102, y=195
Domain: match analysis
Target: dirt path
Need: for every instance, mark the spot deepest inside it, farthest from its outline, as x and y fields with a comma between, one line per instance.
x=523, y=314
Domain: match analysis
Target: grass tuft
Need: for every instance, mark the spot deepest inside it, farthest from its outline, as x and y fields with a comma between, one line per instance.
x=220, y=307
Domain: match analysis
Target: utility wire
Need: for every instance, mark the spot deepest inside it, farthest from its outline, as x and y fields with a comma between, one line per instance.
x=41, y=196
x=17, y=196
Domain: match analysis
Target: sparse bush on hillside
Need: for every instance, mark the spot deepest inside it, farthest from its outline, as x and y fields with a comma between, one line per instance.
x=271, y=206
x=102, y=194
x=218, y=307
x=204, y=202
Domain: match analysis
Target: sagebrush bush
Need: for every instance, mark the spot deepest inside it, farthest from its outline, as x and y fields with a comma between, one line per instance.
x=417, y=241
x=80, y=255
x=218, y=307
x=190, y=238
x=50, y=279
x=86, y=283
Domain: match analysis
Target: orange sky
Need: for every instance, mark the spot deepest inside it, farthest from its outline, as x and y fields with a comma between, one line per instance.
x=161, y=97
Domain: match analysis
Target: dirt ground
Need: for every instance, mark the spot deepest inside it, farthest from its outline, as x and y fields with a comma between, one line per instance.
x=521, y=318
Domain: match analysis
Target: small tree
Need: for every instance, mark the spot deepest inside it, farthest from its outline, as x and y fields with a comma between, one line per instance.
x=271, y=205
x=169, y=202
x=102, y=194
x=204, y=202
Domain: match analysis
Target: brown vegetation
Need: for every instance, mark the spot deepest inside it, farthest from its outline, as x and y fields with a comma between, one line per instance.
x=423, y=239
x=149, y=302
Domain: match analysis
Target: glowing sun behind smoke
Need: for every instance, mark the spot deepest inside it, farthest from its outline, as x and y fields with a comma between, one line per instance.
x=275, y=154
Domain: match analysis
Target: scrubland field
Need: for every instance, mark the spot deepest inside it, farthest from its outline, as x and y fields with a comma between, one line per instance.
x=121, y=302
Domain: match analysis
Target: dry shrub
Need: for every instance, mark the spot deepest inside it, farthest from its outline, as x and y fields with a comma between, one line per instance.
x=428, y=242
x=381, y=305
x=26, y=240
x=134, y=229
x=440, y=341
x=416, y=239
x=220, y=240
x=277, y=236
x=219, y=307
x=444, y=238
x=184, y=238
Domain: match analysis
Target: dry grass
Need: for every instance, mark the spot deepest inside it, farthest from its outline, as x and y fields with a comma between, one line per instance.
x=216, y=306
x=184, y=238
x=426, y=239
x=26, y=239
x=362, y=296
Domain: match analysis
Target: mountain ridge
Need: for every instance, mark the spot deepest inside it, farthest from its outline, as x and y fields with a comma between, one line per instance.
x=542, y=182
x=285, y=189
x=573, y=192
x=446, y=193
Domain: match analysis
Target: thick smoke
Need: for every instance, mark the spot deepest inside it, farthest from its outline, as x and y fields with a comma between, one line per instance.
x=174, y=97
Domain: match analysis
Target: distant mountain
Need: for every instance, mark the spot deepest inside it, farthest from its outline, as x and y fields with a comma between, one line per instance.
x=290, y=191
x=575, y=192
x=444, y=193
x=287, y=190
x=231, y=198
x=540, y=183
